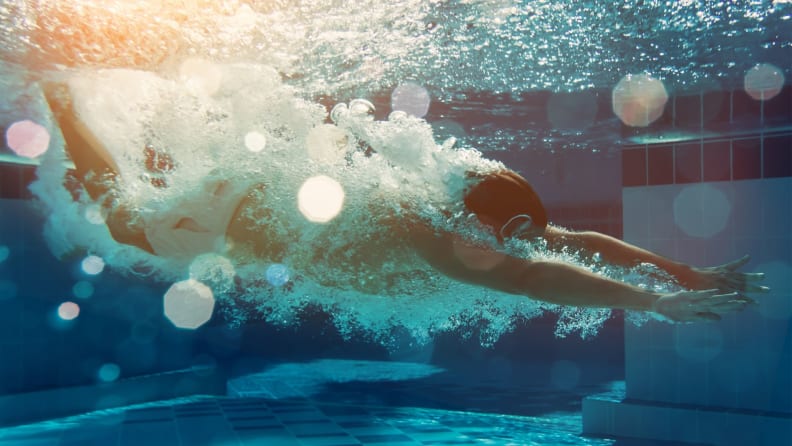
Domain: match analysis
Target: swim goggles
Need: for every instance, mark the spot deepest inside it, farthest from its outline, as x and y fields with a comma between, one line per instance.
x=521, y=224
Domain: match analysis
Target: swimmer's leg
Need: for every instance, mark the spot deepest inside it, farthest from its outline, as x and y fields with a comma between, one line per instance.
x=94, y=168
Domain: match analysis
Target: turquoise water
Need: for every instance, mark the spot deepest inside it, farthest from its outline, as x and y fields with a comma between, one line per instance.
x=238, y=87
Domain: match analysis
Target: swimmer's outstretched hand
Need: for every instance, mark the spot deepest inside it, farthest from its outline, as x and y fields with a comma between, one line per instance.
x=726, y=278
x=700, y=305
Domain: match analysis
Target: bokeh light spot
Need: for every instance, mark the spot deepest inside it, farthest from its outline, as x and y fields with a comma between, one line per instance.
x=95, y=214
x=109, y=372
x=28, y=139
x=277, y=274
x=701, y=210
x=8, y=290
x=320, y=199
x=639, y=99
x=255, y=141
x=327, y=143
x=4, y=253
x=202, y=77
x=83, y=289
x=189, y=304
x=411, y=98
x=763, y=82
x=93, y=265
x=572, y=111
x=68, y=311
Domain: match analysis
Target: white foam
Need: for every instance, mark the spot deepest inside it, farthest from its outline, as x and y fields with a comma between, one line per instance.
x=379, y=287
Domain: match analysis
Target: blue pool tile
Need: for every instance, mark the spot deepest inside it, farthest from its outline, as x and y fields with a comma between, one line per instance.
x=383, y=439
x=717, y=161
x=152, y=432
x=746, y=159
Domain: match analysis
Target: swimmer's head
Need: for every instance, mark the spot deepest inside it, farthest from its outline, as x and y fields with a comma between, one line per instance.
x=507, y=203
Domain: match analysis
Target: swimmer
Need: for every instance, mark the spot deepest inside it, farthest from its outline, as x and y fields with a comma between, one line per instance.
x=502, y=201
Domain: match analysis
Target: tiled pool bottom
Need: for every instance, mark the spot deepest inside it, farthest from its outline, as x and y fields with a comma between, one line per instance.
x=411, y=412
x=300, y=422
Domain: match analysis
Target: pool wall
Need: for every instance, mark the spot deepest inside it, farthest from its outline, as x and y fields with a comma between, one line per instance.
x=706, y=202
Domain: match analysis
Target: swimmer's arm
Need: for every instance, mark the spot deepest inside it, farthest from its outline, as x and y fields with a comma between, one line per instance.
x=617, y=252
x=553, y=282
x=93, y=165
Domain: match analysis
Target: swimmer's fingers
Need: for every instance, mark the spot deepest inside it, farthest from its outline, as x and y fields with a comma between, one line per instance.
x=700, y=305
x=736, y=264
x=744, y=282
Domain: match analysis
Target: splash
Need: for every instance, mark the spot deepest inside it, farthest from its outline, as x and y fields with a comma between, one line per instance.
x=354, y=266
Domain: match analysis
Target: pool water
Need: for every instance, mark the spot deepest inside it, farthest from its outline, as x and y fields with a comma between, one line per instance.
x=574, y=95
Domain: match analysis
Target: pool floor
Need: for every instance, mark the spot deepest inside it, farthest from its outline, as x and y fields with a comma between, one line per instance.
x=272, y=412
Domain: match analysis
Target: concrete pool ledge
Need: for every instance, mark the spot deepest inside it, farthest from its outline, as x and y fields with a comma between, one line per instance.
x=611, y=415
x=23, y=408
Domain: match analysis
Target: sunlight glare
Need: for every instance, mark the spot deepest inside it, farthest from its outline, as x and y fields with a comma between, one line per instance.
x=320, y=199
x=639, y=99
x=27, y=139
x=764, y=81
x=411, y=98
x=189, y=304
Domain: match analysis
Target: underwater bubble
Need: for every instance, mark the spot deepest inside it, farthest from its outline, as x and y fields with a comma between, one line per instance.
x=277, y=274
x=255, y=141
x=700, y=210
x=215, y=271
x=83, y=289
x=93, y=265
x=4, y=253
x=28, y=139
x=339, y=112
x=698, y=342
x=327, y=143
x=397, y=115
x=411, y=98
x=572, y=111
x=68, y=311
x=361, y=107
x=201, y=76
x=95, y=214
x=189, y=304
x=320, y=199
x=764, y=81
x=639, y=99
x=109, y=372
x=8, y=290
x=565, y=374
